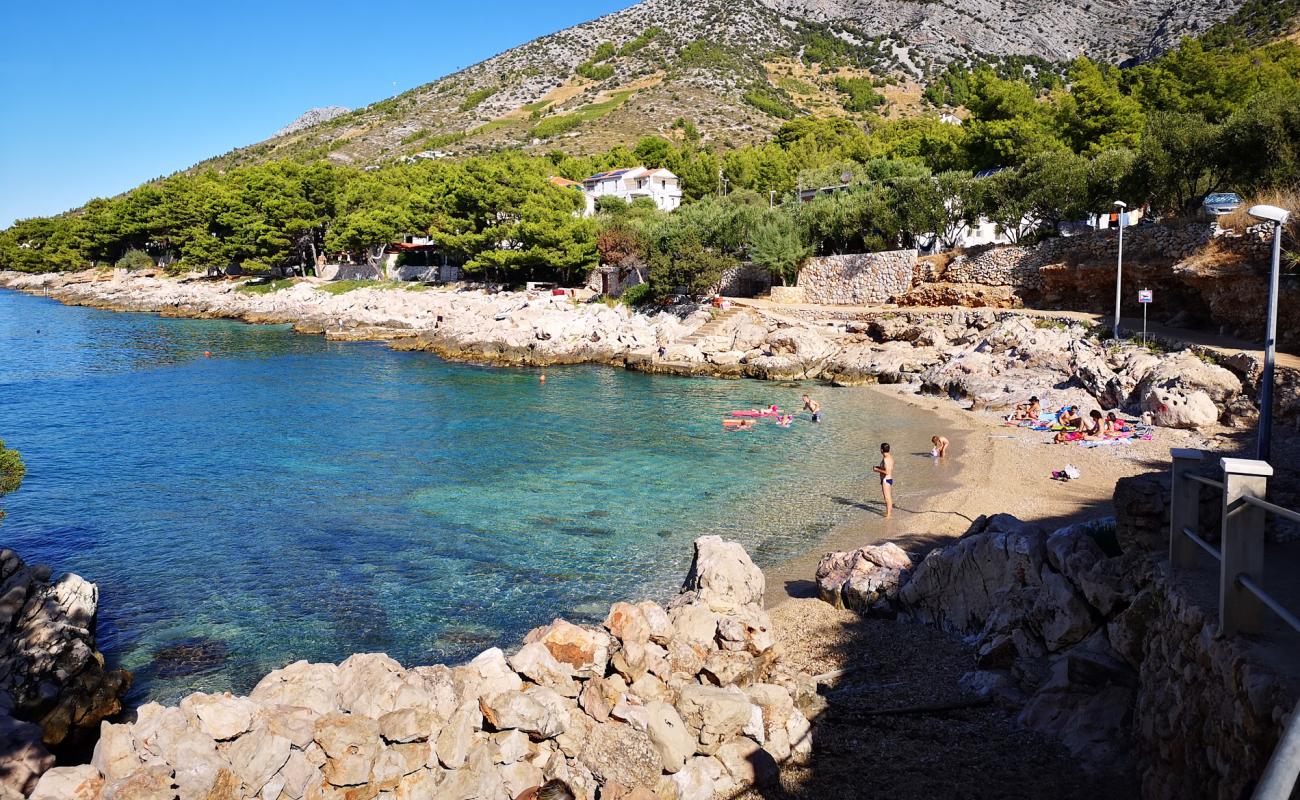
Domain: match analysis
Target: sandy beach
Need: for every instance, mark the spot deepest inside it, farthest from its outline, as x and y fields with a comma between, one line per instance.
x=992, y=468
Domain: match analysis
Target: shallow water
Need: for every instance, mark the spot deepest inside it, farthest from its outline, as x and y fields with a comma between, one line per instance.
x=295, y=498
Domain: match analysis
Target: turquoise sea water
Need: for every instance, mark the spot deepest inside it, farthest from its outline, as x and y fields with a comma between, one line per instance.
x=294, y=498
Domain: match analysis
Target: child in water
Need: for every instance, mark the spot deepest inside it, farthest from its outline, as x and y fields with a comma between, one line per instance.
x=940, y=446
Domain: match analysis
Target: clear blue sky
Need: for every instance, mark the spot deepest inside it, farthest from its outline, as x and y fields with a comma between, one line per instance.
x=97, y=97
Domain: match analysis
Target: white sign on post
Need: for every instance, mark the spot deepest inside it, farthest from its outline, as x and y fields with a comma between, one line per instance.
x=1145, y=296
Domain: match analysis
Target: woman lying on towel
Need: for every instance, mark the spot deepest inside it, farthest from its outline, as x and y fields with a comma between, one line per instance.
x=1090, y=431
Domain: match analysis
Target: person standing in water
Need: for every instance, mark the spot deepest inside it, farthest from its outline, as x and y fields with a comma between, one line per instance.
x=886, y=473
x=940, y=446
x=813, y=407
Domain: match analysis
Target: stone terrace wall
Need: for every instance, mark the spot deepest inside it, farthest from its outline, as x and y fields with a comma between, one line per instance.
x=1020, y=266
x=858, y=279
x=746, y=280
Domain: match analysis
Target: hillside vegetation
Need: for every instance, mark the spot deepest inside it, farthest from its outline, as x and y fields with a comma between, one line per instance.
x=710, y=61
x=1197, y=119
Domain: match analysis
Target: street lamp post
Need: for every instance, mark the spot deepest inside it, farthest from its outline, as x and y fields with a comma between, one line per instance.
x=1277, y=216
x=1119, y=264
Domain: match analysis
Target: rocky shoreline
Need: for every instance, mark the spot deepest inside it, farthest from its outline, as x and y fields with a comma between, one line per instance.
x=689, y=701
x=988, y=358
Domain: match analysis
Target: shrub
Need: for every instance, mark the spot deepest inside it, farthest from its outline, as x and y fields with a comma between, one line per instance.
x=595, y=72
x=135, y=259
x=766, y=101
x=860, y=96
x=635, y=295
x=475, y=98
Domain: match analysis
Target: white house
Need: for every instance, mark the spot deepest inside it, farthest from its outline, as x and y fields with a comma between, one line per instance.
x=633, y=183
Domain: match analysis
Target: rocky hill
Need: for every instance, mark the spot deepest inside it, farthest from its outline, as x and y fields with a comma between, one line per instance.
x=310, y=117
x=734, y=68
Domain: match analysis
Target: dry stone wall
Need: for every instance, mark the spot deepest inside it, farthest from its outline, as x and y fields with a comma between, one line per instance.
x=858, y=279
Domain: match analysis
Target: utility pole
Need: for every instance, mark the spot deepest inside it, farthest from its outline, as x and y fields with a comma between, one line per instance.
x=1119, y=265
x=1277, y=216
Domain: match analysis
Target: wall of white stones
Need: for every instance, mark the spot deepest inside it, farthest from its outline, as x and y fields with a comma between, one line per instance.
x=858, y=279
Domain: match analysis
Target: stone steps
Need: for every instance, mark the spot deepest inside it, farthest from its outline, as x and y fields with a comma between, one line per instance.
x=711, y=327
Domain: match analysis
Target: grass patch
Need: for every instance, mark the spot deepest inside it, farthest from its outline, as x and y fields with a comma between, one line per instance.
x=538, y=106
x=267, y=288
x=554, y=126
x=1049, y=324
x=794, y=85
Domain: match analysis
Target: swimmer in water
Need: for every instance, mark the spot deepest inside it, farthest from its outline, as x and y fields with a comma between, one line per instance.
x=813, y=407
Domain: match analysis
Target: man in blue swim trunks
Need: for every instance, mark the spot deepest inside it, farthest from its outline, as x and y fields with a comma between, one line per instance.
x=886, y=473
x=813, y=407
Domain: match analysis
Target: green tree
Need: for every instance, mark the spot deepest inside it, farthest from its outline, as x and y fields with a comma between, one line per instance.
x=776, y=243
x=1094, y=115
x=11, y=472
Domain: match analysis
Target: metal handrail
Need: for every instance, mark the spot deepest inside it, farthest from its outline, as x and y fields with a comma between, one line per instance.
x=1206, y=546
x=1240, y=559
x=1272, y=508
x=1267, y=599
x=1213, y=484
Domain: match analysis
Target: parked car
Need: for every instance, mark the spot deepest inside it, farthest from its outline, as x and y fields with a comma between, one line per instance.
x=1216, y=204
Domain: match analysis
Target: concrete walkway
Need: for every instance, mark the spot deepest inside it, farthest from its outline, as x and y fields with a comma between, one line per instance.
x=1222, y=344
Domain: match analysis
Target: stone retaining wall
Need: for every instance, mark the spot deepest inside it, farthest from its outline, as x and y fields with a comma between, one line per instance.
x=858, y=279
x=746, y=280
x=1020, y=265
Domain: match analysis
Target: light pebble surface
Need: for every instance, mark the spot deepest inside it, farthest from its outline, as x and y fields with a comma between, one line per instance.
x=992, y=468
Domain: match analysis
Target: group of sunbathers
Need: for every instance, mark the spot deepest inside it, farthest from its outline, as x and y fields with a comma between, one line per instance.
x=1070, y=425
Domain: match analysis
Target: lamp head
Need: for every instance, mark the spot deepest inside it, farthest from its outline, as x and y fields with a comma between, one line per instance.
x=1270, y=214
x=1121, y=204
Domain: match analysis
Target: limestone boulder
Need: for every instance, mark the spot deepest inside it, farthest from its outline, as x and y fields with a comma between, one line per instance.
x=535, y=662
x=669, y=736
x=958, y=586
x=370, y=684
x=584, y=649
x=351, y=744
x=487, y=674
x=312, y=686
x=615, y=752
x=713, y=715
x=701, y=778
x=257, y=757
x=539, y=712
x=221, y=716
x=146, y=783
x=747, y=629
x=747, y=763
x=23, y=757
x=456, y=739
x=69, y=783
x=861, y=578
x=722, y=576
